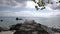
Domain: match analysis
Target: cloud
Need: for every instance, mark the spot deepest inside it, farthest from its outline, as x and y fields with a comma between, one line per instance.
x=6, y=8
x=30, y=13
x=58, y=7
x=16, y=14
x=16, y=3
x=55, y=5
x=26, y=8
x=26, y=3
x=30, y=4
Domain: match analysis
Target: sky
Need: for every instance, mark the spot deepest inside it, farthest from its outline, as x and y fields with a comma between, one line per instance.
x=26, y=8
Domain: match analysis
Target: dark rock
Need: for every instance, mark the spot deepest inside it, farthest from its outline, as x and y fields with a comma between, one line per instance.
x=15, y=27
x=1, y=29
x=18, y=19
x=29, y=27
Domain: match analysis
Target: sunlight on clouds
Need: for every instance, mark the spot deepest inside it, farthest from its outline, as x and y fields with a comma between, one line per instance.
x=30, y=4
x=19, y=5
x=30, y=14
x=48, y=8
x=24, y=13
x=37, y=14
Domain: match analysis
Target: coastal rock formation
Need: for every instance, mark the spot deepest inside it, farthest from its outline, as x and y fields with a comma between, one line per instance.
x=1, y=29
x=29, y=27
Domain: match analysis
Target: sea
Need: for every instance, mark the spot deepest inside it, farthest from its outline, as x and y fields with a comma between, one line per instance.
x=50, y=22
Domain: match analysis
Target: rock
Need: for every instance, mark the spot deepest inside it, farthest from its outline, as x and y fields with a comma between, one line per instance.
x=30, y=27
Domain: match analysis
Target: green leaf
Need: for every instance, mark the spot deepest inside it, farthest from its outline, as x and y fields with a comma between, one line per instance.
x=39, y=4
x=36, y=7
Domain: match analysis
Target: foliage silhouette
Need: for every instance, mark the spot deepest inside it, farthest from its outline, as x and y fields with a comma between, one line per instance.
x=42, y=3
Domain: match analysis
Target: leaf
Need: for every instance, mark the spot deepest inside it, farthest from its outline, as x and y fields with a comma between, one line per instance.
x=34, y=1
x=36, y=7
x=39, y=4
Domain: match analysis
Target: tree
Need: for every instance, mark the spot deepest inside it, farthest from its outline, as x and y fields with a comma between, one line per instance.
x=42, y=3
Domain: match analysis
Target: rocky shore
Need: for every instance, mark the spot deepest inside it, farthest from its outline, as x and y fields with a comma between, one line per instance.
x=29, y=27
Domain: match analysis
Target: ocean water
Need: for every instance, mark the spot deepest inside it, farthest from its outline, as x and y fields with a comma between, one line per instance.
x=9, y=21
x=50, y=22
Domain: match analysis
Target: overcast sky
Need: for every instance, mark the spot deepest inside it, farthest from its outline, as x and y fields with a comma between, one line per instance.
x=26, y=8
